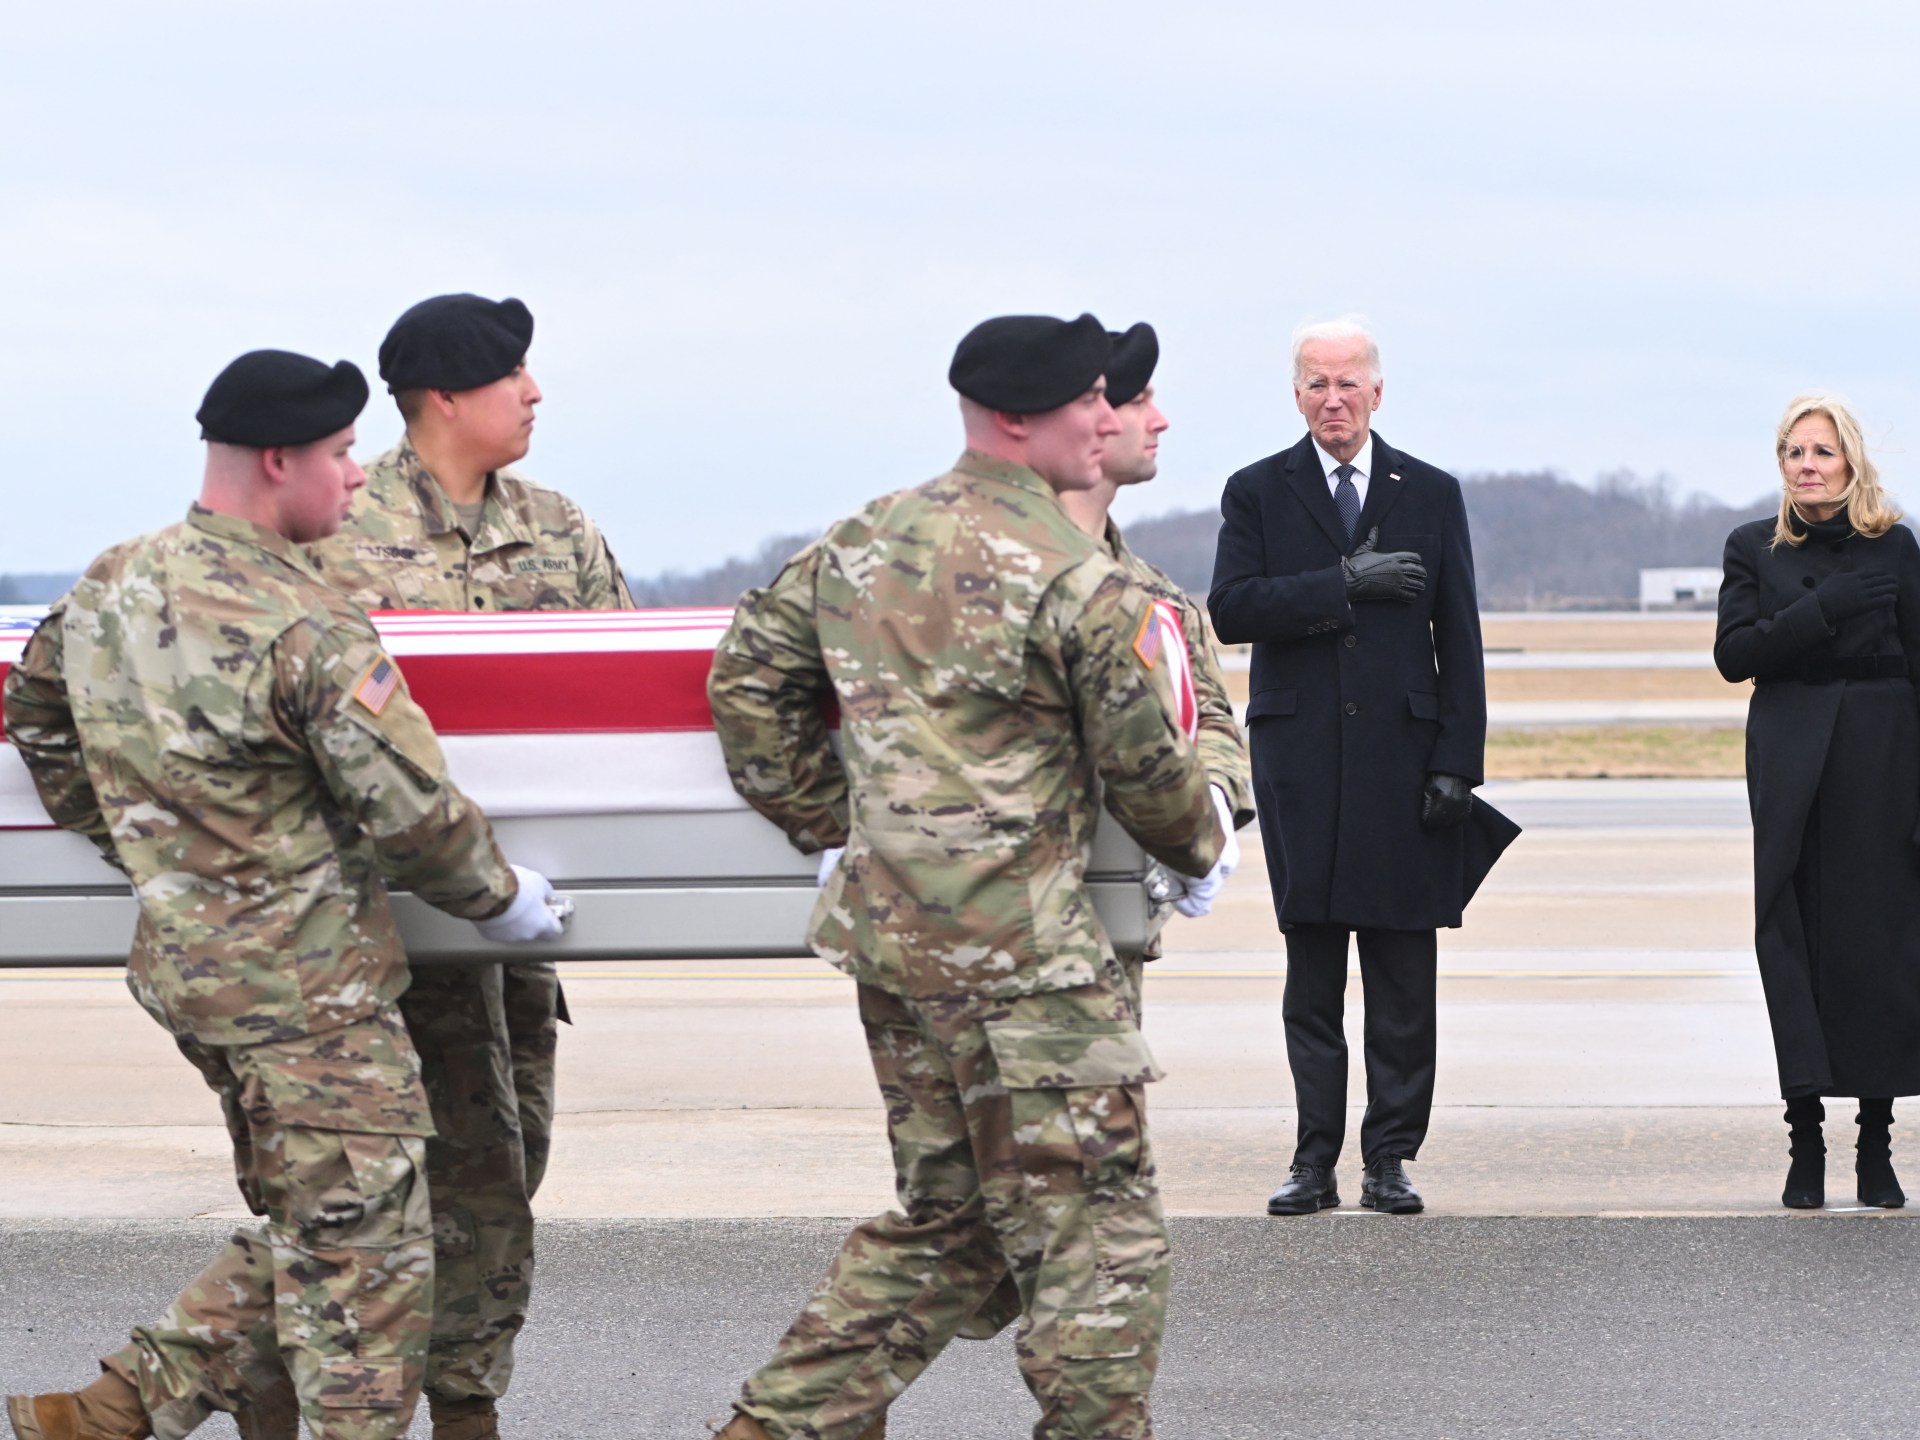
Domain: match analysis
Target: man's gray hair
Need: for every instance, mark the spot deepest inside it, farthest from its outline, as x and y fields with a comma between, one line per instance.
x=1347, y=327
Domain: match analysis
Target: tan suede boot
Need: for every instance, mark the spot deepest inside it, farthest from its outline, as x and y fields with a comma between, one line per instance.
x=108, y=1409
x=466, y=1419
x=274, y=1414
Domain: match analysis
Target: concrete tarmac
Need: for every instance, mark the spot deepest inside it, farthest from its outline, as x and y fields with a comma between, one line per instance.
x=1604, y=1051
x=1334, y=1328
x=1604, y=1254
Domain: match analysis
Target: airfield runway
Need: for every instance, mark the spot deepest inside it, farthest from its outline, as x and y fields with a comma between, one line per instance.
x=1604, y=1253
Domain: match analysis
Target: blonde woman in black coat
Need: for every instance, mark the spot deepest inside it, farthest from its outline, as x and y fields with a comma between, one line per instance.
x=1820, y=608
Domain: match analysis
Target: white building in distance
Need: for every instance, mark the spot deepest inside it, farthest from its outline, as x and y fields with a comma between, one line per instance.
x=1695, y=588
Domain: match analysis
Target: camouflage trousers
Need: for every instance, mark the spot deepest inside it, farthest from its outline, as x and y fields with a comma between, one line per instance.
x=329, y=1145
x=486, y=1039
x=1018, y=1130
x=1002, y=1307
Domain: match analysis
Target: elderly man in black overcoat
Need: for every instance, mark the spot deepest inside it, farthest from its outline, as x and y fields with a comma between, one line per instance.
x=1347, y=564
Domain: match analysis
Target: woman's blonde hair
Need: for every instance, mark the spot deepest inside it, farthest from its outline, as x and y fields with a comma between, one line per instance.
x=1868, y=509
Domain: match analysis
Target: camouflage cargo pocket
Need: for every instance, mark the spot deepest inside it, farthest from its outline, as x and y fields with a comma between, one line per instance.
x=357, y=1078
x=1041, y=1056
x=1098, y=1335
x=351, y=1383
x=348, y=1191
x=1075, y=1100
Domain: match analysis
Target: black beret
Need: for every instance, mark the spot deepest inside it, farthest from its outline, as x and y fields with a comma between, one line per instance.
x=455, y=342
x=1029, y=364
x=1130, y=370
x=274, y=397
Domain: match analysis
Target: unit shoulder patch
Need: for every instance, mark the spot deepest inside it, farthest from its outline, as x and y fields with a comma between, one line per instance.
x=1151, y=639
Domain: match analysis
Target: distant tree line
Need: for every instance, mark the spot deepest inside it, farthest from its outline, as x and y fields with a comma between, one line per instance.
x=34, y=589
x=1540, y=542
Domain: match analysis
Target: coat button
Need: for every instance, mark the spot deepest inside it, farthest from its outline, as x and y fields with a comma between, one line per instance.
x=479, y=602
x=1352, y=640
x=1807, y=580
x=1352, y=709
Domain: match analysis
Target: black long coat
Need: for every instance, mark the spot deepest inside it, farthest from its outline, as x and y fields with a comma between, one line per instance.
x=1833, y=775
x=1352, y=705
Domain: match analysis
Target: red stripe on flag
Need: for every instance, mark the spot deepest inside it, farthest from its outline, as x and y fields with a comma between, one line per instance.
x=580, y=693
x=520, y=694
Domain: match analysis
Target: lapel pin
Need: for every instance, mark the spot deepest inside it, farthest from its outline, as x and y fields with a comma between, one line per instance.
x=1392, y=476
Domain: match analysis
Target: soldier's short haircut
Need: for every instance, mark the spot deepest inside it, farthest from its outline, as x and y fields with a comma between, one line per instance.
x=1347, y=327
x=410, y=403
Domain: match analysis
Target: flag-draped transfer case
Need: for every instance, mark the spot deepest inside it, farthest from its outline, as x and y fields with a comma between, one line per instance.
x=587, y=739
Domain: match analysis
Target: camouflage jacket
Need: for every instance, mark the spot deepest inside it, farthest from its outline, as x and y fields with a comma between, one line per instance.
x=1222, y=745
x=991, y=667
x=402, y=549
x=226, y=728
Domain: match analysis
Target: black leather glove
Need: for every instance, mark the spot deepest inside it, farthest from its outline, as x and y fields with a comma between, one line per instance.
x=1847, y=593
x=1396, y=575
x=1446, y=802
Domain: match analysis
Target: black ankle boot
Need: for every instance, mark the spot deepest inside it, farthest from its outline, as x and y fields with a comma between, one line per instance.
x=1807, y=1174
x=1873, y=1157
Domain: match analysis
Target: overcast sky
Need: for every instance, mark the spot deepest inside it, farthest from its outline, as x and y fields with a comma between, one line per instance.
x=1590, y=238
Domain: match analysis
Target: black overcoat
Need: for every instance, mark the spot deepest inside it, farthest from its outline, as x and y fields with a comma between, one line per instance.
x=1833, y=776
x=1351, y=706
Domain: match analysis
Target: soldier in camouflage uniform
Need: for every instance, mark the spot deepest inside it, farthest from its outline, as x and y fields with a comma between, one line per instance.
x=994, y=671
x=1131, y=458
x=443, y=525
x=226, y=729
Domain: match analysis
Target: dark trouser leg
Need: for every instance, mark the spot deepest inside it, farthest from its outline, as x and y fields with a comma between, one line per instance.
x=1313, y=1010
x=1398, y=979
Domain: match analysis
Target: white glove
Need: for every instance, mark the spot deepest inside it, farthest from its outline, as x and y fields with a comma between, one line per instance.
x=829, y=858
x=527, y=918
x=1201, y=893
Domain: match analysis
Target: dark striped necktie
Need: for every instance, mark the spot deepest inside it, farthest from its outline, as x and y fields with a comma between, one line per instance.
x=1346, y=499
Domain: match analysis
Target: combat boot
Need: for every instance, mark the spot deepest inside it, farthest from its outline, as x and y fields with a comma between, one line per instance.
x=108, y=1409
x=274, y=1414
x=472, y=1418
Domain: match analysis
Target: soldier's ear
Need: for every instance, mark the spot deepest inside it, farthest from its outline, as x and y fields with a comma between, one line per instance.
x=273, y=463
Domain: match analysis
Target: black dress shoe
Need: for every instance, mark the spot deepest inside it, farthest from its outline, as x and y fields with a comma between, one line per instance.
x=1309, y=1188
x=1386, y=1188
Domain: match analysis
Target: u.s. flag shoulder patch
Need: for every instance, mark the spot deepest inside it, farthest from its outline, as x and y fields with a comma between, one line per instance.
x=1152, y=637
x=376, y=687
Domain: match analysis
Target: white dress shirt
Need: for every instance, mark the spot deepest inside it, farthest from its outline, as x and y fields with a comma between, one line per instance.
x=1362, y=468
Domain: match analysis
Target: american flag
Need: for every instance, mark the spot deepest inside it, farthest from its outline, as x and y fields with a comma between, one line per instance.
x=376, y=687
